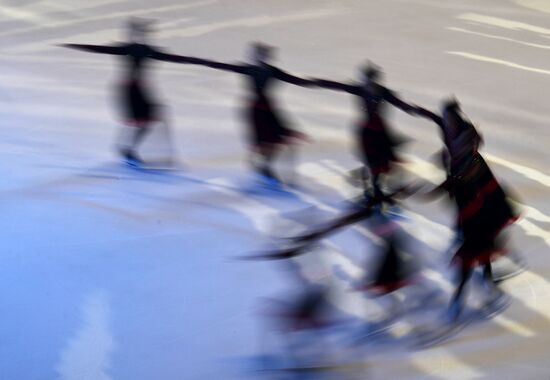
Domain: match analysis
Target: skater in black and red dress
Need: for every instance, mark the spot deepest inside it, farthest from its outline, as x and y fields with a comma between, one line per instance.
x=376, y=143
x=483, y=210
x=393, y=268
x=140, y=109
x=268, y=129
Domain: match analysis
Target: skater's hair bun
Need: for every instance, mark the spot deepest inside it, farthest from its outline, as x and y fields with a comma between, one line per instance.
x=260, y=51
x=372, y=71
x=451, y=105
x=262, y=48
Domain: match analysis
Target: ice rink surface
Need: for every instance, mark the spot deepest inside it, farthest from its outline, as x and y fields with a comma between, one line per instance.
x=108, y=273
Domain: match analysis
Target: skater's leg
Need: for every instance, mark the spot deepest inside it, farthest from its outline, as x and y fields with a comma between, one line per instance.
x=392, y=310
x=291, y=159
x=267, y=156
x=139, y=135
x=488, y=276
x=376, y=185
x=139, y=132
x=494, y=291
x=254, y=158
x=457, y=300
x=365, y=179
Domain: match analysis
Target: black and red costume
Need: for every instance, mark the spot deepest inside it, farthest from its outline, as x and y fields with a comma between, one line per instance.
x=138, y=105
x=268, y=127
x=483, y=209
x=375, y=141
x=393, y=270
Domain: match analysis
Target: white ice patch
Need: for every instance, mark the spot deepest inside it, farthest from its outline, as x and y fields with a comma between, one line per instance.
x=87, y=354
x=530, y=173
x=537, y=5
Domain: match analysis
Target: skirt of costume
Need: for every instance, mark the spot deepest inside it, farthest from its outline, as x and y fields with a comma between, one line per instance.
x=137, y=107
x=376, y=146
x=483, y=212
x=266, y=126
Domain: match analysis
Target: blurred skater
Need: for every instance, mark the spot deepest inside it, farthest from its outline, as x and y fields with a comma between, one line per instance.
x=301, y=320
x=393, y=268
x=140, y=109
x=483, y=210
x=375, y=141
x=268, y=130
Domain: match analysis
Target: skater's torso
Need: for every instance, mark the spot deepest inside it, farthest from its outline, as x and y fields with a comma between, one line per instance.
x=461, y=144
x=261, y=79
x=373, y=99
x=462, y=148
x=136, y=59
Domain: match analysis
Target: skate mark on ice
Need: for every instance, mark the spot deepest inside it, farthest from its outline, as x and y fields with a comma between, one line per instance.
x=483, y=58
x=539, y=46
x=250, y=22
x=503, y=23
x=35, y=30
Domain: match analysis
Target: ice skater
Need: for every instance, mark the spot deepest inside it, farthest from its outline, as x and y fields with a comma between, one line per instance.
x=375, y=141
x=393, y=270
x=483, y=210
x=268, y=128
x=301, y=319
x=140, y=109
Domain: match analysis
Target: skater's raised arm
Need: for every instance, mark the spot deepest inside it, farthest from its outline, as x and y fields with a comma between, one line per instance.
x=101, y=49
x=337, y=86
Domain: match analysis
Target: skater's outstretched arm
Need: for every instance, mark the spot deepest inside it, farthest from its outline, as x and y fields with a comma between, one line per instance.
x=289, y=78
x=173, y=58
x=428, y=115
x=394, y=100
x=337, y=86
x=102, y=49
x=236, y=68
